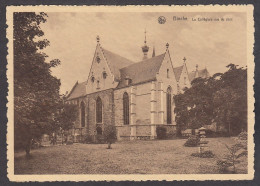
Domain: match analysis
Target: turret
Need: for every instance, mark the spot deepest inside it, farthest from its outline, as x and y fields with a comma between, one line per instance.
x=145, y=48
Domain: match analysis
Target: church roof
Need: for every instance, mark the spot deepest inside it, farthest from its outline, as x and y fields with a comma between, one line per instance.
x=78, y=90
x=192, y=75
x=203, y=73
x=142, y=71
x=116, y=62
x=177, y=71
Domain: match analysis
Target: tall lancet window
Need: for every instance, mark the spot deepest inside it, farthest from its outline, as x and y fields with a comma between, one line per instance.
x=99, y=110
x=126, y=108
x=82, y=108
x=169, y=105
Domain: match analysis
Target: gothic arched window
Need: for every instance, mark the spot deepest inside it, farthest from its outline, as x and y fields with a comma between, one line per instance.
x=98, y=84
x=82, y=108
x=168, y=75
x=169, y=105
x=104, y=75
x=126, y=108
x=99, y=110
x=98, y=59
x=92, y=79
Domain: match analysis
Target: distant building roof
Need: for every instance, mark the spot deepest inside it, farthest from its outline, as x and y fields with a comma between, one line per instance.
x=78, y=90
x=142, y=71
x=203, y=73
x=177, y=71
x=115, y=62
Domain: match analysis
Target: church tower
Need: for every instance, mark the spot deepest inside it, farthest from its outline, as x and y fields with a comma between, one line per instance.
x=145, y=48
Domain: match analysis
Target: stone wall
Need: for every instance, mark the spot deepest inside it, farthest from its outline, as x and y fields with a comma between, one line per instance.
x=139, y=111
x=143, y=104
x=143, y=130
x=118, y=101
x=107, y=97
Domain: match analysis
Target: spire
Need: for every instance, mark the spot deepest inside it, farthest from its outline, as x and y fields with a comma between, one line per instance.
x=197, y=71
x=98, y=39
x=145, y=48
x=145, y=36
x=153, y=52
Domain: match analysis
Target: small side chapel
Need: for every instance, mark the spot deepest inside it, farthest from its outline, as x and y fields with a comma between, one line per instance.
x=133, y=96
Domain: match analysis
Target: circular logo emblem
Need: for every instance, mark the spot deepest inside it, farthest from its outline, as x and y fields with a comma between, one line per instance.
x=161, y=20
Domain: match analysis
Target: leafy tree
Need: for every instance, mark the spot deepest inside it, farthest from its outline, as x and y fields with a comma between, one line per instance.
x=66, y=116
x=110, y=135
x=36, y=91
x=230, y=101
x=221, y=98
x=194, y=107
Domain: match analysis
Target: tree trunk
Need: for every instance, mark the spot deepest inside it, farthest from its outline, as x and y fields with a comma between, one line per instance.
x=109, y=145
x=28, y=147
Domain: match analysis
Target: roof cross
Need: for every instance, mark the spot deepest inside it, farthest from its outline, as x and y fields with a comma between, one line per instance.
x=167, y=45
x=184, y=59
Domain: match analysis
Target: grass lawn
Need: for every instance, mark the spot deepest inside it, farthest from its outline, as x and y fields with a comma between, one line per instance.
x=128, y=157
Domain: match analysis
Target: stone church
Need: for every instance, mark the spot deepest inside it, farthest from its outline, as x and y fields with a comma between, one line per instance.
x=134, y=96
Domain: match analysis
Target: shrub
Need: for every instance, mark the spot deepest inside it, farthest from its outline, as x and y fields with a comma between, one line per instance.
x=236, y=151
x=161, y=132
x=100, y=139
x=223, y=166
x=110, y=135
x=192, y=141
x=212, y=134
x=205, y=154
x=69, y=142
x=242, y=136
x=171, y=134
x=87, y=139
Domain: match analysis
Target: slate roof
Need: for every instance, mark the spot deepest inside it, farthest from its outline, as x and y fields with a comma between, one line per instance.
x=78, y=90
x=116, y=62
x=203, y=73
x=177, y=71
x=142, y=71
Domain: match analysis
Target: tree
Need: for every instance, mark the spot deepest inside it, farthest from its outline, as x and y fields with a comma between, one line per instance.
x=66, y=116
x=230, y=101
x=194, y=107
x=221, y=98
x=110, y=135
x=36, y=91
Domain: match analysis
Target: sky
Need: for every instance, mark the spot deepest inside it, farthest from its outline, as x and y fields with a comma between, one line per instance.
x=211, y=44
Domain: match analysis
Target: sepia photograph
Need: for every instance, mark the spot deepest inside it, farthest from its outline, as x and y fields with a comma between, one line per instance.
x=125, y=93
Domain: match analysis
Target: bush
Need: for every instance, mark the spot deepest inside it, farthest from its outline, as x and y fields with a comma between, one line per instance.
x=100, y=139
x=242, y=136
x=110, y=135
x=69, y=142
x=235, y=152
x=161, y=132
x=192, y=141
x=205, y=154
x=88, y=139
x=171, y=135
x=223, y=166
